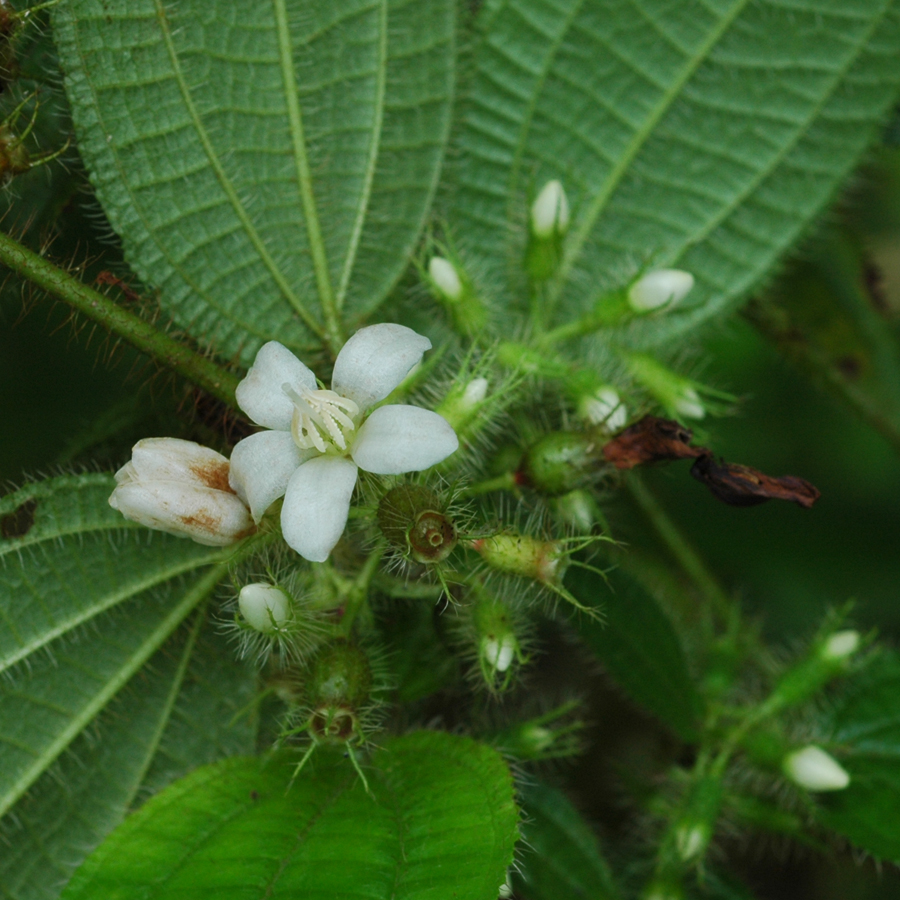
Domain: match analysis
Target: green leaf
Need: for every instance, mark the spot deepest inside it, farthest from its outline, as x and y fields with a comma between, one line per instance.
x=866, y=738
x=266, y=167
x=95, y=686
x=705, y=136
x=639, y=648
x=440, y=822
x=563, y=859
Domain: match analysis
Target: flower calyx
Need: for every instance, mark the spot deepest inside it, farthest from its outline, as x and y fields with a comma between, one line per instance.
x=412, y=519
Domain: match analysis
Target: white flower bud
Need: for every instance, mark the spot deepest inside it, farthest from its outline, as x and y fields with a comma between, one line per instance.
x=688, y=404
x=264, y=607
x=475, y=392
x=605, y=408
x=181, y=488
x=445, y=277
x=664, y=287
x=840, y=645
x=499, y=654
x=691, y=840
x=550, y=211
x=812, y=768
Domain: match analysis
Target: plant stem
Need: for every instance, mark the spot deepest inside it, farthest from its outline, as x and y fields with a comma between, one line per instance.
x=359, y=592
x=683, y=552
x=145, y=337
x=504, y=482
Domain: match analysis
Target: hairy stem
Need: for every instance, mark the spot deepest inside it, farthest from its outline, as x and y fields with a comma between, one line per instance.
x=145, y=337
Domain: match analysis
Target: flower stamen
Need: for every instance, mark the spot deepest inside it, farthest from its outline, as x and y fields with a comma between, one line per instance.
x=320, y=417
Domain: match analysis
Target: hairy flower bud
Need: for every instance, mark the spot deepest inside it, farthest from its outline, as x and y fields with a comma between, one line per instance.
x=674, y=392
x=264, y=607
x=521, y=554
x=550, y=211
x=840, y=645
x=181, y=488
x=411, y=518
x=340, y=684
x=814, y=769
x=557, y=462
x=664, y=287
x=445, y=278
x=604, y=407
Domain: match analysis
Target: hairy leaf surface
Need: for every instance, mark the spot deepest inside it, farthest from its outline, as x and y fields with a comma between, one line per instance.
x=98, y=682
x=440, y=822
x=261, y=160
x=702, y=135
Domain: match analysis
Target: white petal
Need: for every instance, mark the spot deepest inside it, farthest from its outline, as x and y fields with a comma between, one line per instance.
x=261, y=467
x=397, y=439
x=215, y=518
x=172, y=459
x=375, y=360
x=316, y=505
x=260, y=394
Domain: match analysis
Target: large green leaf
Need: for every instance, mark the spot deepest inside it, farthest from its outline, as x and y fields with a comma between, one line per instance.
x=440, y=822
x=563, y=859
x=261, y=159
x=100, y=692
x=639, y=648
x=704, y=135
x=867, y=730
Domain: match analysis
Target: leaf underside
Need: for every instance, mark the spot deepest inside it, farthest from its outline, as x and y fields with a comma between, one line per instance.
x=440, y=822
x=241, y=201
x=701, y=135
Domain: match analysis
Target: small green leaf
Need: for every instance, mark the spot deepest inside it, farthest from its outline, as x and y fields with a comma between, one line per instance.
x=866, y=742
x=639, y=647
x=440, y=823
x=704, y=136
x=268, y=168
x=562, y=859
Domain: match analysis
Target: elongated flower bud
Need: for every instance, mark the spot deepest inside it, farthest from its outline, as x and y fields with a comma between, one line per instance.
x=181, y=488
x=445, y=278
x=812, y=768
x=840, y=646
x=664, y=287
x=264, y=607
x=550, y=211
x=521, y=554
x=674, y=392
x=557, y=462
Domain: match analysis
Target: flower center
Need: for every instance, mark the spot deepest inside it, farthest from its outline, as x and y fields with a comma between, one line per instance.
x=321, y=418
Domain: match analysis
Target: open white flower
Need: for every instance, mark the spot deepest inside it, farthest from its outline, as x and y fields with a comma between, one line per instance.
x=320, y=438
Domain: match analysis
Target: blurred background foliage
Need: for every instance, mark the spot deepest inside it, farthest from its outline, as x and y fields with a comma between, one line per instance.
x=814, y=359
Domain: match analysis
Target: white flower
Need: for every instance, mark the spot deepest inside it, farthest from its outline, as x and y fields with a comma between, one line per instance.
x=181, y=488
x=664, y=287
x=550, y=211
x=445, y=277
x=812, y=768
x=604, y=407
x=264, y=606
x=320, y=438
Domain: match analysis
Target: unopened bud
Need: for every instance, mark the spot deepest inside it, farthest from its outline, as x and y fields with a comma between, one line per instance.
x=674, y=392
x=181, y=488
x=664, y=287
x=264, y=607
x=812, y=768
x=521, y=554
x=463, y=403
x=550, y=211
x=557, y=463
x=445, y=278
x=840, y=645
x=411, y=518
x=604, y=408
x=498, y=646
x=691, y=841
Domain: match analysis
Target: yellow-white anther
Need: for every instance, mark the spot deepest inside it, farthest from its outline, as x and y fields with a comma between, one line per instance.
x=320, y=417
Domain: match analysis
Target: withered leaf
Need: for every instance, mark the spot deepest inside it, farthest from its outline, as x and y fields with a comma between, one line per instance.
x=739, y=485
x=651, y=440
